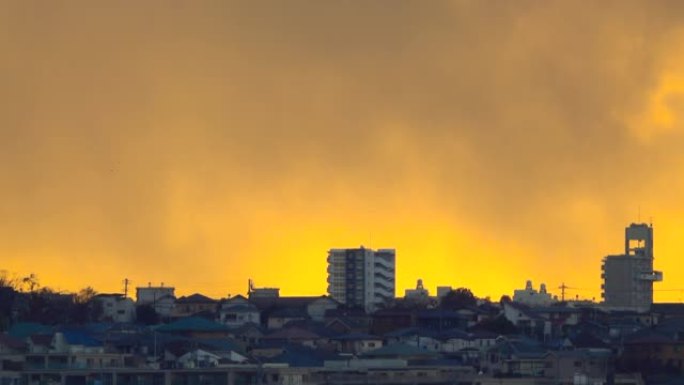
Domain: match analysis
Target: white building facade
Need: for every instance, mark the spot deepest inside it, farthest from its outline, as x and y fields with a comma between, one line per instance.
x=362, y=277
x=161, y=298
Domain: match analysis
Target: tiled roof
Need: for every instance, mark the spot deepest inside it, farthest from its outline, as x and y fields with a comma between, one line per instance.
x=195, y=298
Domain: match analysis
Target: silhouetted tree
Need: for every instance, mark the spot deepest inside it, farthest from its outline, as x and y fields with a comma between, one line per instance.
x=504, y=299
x=8, y=293
x=145, y=314
x=499, y=325
x=30, y=282
x=458, y=299
x=85, y=308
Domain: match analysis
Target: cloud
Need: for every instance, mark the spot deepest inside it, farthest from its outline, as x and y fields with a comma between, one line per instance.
x=204, y=143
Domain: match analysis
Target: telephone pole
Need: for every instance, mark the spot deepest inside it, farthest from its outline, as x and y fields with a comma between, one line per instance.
x=126, y=281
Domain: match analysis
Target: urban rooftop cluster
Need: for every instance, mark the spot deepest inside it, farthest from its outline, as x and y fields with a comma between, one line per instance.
x=360, y=332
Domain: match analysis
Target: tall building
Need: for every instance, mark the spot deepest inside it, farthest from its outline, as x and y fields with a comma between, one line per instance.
x=628, y=278
x=361, y=277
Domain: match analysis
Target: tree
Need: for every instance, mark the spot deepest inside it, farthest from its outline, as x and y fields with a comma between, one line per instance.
x=504, y=299
x=85, y=308
x=499, y=325
x=458, y=299
x=8, y=294
x=85, y=295
x=30, y=282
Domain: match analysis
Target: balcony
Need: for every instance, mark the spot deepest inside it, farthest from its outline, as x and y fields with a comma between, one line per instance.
x=655, y=276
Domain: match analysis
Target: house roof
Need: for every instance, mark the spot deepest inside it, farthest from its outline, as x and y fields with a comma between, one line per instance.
x=264, y=303
x=292, y=333
x=356, y=337
x=455, y=334
x=288, y=312
x=412, y=331
x=586, y=339
x=239, y=308
x=302, y=356
x=398, y=350
x=192, y=324
x=41, y=339
x=77, y=337
x=12, y=342
x=195, y=298
x=647, y=336
x=27, y=329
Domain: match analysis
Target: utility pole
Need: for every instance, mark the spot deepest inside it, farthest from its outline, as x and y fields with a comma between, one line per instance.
x=126, y=282
x=563, y=287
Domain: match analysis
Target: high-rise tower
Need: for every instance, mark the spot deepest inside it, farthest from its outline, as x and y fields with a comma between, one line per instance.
x=628, y=278
x=361, y=277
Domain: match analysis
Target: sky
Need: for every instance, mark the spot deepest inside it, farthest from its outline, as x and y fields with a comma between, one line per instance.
x=203, y=143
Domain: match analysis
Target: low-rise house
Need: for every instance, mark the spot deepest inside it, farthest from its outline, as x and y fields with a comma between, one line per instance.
x=296, y=335
x=653, y=351
x=400, y=351
x=116, y=308
x=208, y=358
x=515, y=357
x=527, y=320
x=198, y=358
x=278, y=318
x=424, y=339
x=388, y=320
x=195, y=327
x=438, y=319
x=193, y=305
x=161, y=298
x=357, y=343
x=248, y=334
x=277, y=311
x=11, y=345
x=39, y=343
x=584, y=366
x=235, y=315
x=455, y=340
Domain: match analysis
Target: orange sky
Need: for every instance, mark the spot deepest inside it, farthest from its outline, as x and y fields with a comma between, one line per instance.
x=203, y=143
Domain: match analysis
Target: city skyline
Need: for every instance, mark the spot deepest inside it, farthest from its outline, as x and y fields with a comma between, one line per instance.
x=204, y=144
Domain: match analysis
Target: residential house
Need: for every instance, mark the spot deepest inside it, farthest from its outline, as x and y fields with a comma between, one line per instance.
x=357, y=343
x=116, y=308
x=237, y=314
x=195, y=327
x=527, y=320
x=195, y=304
x=161, y=298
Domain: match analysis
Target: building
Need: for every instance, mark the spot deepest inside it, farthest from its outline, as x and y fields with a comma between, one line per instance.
x=161, y=298
x=628, y=279
x=530, y=296
x=362, y=277
x=116, y=308
x=193, y=305
x=419, y=295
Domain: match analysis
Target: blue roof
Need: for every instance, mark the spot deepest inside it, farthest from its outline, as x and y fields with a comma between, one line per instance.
x=27, y=329
x=74, y=337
